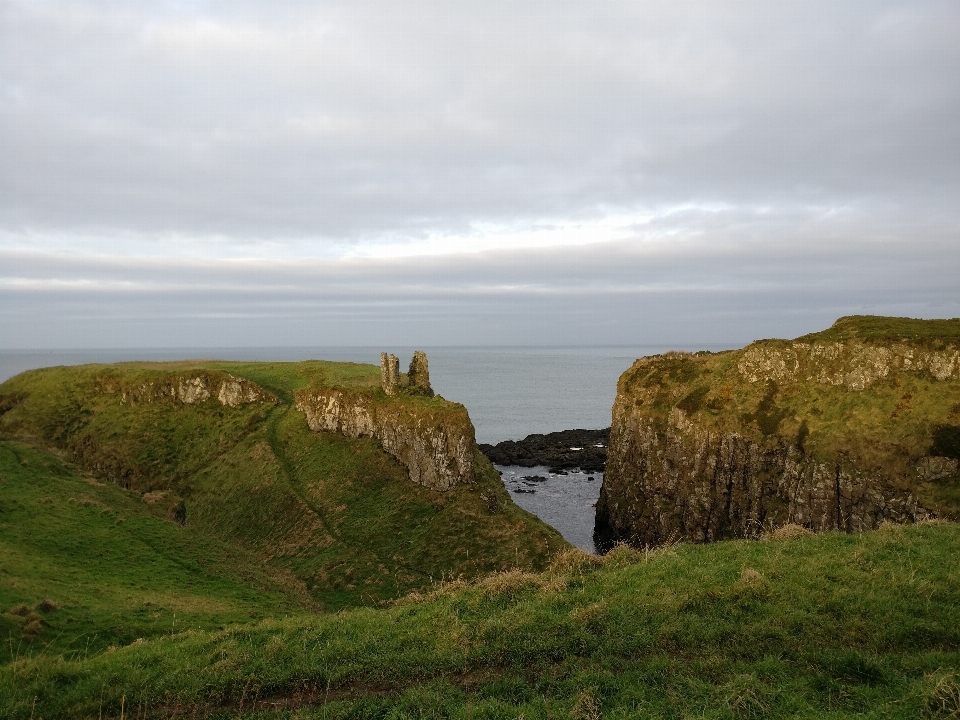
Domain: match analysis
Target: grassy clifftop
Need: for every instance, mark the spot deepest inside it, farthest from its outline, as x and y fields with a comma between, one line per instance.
x=220, y=447
x=838, y=429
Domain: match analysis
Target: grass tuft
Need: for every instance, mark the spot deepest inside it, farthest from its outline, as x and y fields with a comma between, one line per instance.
x=47, y=605
x=790, y=531
x=944, y=698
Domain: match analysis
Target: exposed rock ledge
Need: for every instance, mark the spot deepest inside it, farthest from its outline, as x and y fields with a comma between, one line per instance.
x=433, y=439
x=197, y=388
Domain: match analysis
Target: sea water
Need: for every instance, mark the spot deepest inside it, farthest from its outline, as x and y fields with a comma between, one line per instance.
x=510, y=392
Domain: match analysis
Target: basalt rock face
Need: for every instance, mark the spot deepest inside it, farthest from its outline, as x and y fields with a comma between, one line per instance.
x=838, y=430
x=564, y=450
x=433, y=439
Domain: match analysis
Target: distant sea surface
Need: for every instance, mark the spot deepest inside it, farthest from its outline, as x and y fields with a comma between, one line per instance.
x=510, y=392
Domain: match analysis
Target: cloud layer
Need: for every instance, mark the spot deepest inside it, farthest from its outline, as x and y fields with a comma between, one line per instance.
x=210, y=168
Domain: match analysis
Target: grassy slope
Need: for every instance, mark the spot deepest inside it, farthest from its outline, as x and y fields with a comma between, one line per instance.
x=830, y=626
x=877, y=328
x=114, y=567
x=338, y=516
x=884, y=428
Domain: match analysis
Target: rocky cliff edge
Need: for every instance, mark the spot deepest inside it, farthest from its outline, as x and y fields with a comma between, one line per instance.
x=433, y=438
x=836, y=430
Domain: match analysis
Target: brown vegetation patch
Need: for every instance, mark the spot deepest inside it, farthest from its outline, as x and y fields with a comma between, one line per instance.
x=790, y=531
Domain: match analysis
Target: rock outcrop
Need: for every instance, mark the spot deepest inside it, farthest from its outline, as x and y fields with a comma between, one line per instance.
x=838, y=430
x=563, y=450
x=197, y=387
x=433, y=439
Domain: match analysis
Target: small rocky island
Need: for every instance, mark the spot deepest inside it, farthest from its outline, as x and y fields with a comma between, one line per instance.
x=558, y=451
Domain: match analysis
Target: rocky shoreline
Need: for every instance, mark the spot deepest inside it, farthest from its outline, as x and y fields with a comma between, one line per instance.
x=564, y=450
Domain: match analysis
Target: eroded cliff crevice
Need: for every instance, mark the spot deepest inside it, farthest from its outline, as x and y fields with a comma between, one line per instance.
x=433, y=438
x=828, y=434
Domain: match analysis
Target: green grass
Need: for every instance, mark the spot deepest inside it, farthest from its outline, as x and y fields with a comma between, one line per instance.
x=114, y=568
x=277, y=598
x=338, y=516
x=831, y=626
x=877, y=328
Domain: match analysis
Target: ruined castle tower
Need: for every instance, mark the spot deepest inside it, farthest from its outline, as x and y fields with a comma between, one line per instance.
x=417, y=379
x=419, y=375
x=389, y=373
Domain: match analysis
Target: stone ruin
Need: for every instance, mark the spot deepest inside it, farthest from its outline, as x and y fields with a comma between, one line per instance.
x=416, y=381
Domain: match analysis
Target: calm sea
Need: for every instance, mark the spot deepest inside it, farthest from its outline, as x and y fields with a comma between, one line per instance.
x=510, y=392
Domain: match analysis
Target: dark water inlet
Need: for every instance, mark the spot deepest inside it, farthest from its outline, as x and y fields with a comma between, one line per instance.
x=565, y=502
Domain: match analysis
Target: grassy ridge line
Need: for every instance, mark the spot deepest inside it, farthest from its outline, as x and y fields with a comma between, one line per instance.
x=831, y=626
x=876, y=328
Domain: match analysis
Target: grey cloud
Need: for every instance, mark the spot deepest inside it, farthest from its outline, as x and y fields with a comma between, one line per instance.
x=697, y=290
x=337, y=122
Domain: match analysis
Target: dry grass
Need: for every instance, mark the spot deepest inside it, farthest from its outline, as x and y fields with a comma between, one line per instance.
x=586, y=707
x=510, y=583
x=21, y=610
x=751, y=578
x=944, y=700
x=48, y=605
x=790, y=531
x=574, y=560
x=889, y=526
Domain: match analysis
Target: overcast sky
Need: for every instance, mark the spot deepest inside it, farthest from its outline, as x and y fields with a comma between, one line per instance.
x=338, y=173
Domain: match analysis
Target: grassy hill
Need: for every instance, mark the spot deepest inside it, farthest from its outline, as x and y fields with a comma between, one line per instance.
x=338, y=519
x=134, y=616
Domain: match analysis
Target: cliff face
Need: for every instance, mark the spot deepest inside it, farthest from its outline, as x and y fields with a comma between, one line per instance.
x=839, y=430
x=433, y=439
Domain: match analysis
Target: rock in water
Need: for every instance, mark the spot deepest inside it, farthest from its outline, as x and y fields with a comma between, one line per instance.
x=567, y=449
x=837, y=430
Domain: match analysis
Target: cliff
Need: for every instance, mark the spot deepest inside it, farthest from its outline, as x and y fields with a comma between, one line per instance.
x=836, y=430
x=433, y=439
x=220, y=452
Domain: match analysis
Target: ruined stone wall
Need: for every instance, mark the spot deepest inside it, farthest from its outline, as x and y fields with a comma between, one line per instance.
x=436, y=445
x=415, y=382
x=418, y=376
x=389, y=373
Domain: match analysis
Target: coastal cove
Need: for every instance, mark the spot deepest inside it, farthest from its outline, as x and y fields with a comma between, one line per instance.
x=510, y=392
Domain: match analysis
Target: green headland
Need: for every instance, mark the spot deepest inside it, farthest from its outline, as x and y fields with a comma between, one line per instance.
x=175, y=541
